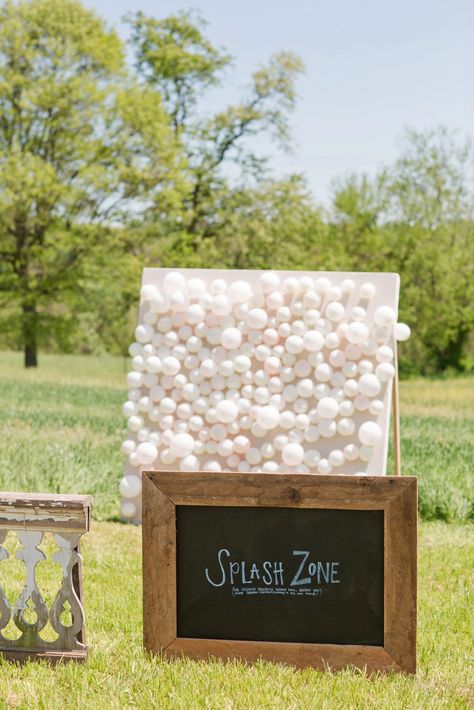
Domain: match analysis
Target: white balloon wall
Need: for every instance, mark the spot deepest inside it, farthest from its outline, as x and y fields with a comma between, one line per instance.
x=260, y=371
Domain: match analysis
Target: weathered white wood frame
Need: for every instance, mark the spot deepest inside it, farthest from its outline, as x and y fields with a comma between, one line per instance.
x=66, y=517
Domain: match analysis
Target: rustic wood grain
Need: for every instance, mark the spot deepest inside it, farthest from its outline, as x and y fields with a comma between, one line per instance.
x=159, y=567
x=400, y=573
x=396, y=496
x=301, y=655
x=294, y=490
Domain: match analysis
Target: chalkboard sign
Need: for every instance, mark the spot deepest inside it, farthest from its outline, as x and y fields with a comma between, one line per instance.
x=280, y=574
x=307, y=569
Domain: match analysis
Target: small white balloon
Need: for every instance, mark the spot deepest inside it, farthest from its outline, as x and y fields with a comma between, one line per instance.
x=351, y=452
x=376, y=407
x=135, y=422
x=361, y=403
x=287, y=419
x=323, y=372
x=345, y=427
x=358, y=313
x=347, y=286
x=239, y=292
x=144, y=333
x=292, y=454
x=357, y=332
x=130, y=486
x=226, y=411
x=336, y=457
x=328, y=408
x=171, y=365
x=182, y=445
x=384, y=354
x=384, y=316
x=369, y=433
x=128, y=509
x=294, y=344
x=268, y=417
x=324, y=466
x=401, y=331
x=231, y=338
x=313, y=341
x=212, y=466
x=146, y=453
x=369, y=385
x=327, y=428
x=322, y=285
x=335, y=311
x=128, y=447
x=367, y=290
x=173, y=282
x=385, y=371
x=257, y=318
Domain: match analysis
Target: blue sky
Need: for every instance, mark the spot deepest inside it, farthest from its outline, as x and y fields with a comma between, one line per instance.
x=373, y=67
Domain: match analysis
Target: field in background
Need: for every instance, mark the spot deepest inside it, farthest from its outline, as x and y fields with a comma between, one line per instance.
x=61, y=428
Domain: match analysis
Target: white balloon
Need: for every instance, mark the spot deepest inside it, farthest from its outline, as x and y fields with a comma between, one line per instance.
x=357, y=332
x=130, y=486
x=369, y=385
x=226, y=411
x=146, y=453
x=239, y=292
x=327, y=428
x=268, y=417
x=369, y=433
x=384, y=354
x=324, y=466
x=182, y=445
x=351, y=452
x=195, y=288
x=292, y=454
x=174, y=282
x=313, y=340
x=128, y=509
x=171, y=365
x=269, y=282
x=345, y=427
x=323, y=372
x=231, y=338
x=336, y=457
x=385, y=371
x=335, y=311
x=135, y=423
x=384, y=316
x=376, y=407
x=328, y=408
x=367, y=290
x=257, y=318
x=401, y=331
x=294, y=344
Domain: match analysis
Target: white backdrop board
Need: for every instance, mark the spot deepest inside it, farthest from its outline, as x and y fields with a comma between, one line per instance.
x=260, y=371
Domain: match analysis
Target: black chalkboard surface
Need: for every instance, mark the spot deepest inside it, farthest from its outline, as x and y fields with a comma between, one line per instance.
x=280, y=574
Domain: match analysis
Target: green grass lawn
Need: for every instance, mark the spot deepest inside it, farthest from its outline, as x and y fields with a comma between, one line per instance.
x=60, y=431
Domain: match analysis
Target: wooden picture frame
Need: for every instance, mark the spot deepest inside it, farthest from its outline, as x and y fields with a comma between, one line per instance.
x=395, y=496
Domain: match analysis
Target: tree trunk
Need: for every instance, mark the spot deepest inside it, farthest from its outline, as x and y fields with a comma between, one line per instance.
x=29, y=328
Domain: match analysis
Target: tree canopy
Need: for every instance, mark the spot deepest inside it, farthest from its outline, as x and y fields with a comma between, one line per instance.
x=109, y=165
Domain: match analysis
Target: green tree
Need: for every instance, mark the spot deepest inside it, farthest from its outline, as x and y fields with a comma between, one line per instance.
x=174, y=56
x=416, y=217
x=79, y=143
